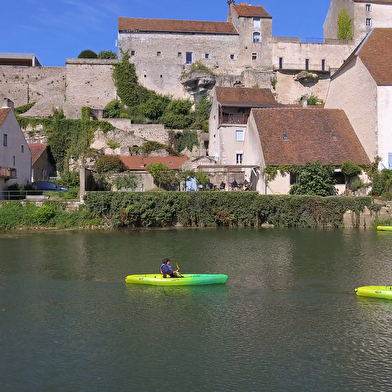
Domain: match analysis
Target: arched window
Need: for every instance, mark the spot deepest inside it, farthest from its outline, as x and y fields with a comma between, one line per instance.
x=256, y=37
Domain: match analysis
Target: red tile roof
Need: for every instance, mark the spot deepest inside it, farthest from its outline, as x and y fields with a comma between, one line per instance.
x=296, y=136
x=248, y=10
x=36, y=150
x=4, y=114
x=140, y=163
x=177, y=26
x=246, y=97
x=376, y=54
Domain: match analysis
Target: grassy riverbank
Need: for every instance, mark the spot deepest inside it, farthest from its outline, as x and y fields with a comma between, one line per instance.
x=187, y=209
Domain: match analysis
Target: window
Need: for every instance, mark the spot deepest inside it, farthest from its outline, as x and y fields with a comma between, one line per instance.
x=232, y=56
x=13, y=161
x=254, y=56
x=206, y=55
x=256, y=37
x=159, y=54
x=368, y=7
x=22, y=149
x=238, y=158
x=189, y=58
x=5, y=140
x=368, y=22
x=179, y=54
x=285, y=138
x=307, y=64
x=132, y=52
x=239, y=135
x=323, y=65
x=280, y=62
x=256, y=23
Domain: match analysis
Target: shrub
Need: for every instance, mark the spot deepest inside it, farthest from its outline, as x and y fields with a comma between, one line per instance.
x=107, y=163
x=87, y=54
x=112, y=109
x=107, y=54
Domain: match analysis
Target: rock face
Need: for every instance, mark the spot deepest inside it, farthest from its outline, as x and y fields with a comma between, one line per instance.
x=198, y=82
x=306, y=77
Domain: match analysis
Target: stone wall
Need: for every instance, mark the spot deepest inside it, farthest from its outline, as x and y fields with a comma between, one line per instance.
x=43, y=85
x=89, y=83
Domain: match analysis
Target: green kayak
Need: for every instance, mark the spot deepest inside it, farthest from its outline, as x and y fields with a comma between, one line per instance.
x=186, y=280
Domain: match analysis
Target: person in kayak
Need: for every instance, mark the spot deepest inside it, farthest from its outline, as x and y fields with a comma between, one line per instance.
x=167, y=270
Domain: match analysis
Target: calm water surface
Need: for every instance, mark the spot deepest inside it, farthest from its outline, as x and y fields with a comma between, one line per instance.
x=286, y=320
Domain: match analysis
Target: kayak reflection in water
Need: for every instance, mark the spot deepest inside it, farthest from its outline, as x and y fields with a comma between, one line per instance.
x=167, y=270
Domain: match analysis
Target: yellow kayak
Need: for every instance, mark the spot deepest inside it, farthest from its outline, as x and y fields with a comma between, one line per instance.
x=384, y=228
x=186, y=280
x=375, y=291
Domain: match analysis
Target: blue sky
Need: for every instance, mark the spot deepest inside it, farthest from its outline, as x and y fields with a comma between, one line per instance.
x=55, y=30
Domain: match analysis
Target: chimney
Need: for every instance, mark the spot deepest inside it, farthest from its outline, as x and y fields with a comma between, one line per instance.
x=7, y=104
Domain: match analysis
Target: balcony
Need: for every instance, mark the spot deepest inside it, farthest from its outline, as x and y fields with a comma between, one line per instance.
x=7, y=173
x=233, y=119
x=301, y=66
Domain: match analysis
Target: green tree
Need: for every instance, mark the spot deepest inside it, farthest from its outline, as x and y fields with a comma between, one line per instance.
x=316, y=179
x=107, y=54
x=112, y=109
x=163, y=177
x=345, y=25
x=202, y=178
x=87, y=54
x=107, y=163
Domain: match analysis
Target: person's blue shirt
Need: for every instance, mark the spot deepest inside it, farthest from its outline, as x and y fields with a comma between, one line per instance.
x=166, y=270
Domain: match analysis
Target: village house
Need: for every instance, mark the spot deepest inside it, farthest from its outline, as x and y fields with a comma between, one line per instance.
x=15, y=156
x=137, y=165
x=362, y=87
x=43, y=165
x=294, y=136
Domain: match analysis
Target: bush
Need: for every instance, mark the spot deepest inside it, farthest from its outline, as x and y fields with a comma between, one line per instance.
x=107, y=54
x=87, y=54
x=112, y=109
x=108, y=163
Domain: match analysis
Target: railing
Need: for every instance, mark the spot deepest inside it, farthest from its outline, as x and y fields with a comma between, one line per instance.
x=310, y=40
x=302, y=67
x=233, y=119
x=7, y=172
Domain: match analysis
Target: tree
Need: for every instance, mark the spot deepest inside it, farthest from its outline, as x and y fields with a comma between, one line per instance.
x=315, y=179
x=107, y=54
x=345, y=25
x=112, y=109
x=163, y=177
x=107, y=163
x=87, y=54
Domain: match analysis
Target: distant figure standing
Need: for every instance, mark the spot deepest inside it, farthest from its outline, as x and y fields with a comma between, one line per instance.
x=234, y=184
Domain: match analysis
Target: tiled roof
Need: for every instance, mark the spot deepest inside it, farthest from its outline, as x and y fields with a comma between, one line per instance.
x=296, y=136
x=248, y=10
x=4, y=114
x=36, y=150
x=178, y=26
x=376, y=54
x=140, y=163
x=246, y=97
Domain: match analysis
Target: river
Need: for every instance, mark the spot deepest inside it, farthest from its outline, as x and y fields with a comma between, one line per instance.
x=286, y=320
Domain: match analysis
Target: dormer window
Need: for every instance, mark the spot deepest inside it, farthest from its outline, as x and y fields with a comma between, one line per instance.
x=285, y=138
x=256, y=37
x=256, y=23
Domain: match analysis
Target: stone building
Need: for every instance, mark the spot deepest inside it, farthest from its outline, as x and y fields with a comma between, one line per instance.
x=365, y=15
x=362, y=87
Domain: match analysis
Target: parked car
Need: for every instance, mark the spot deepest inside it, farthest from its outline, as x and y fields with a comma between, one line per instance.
x=48, y=186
